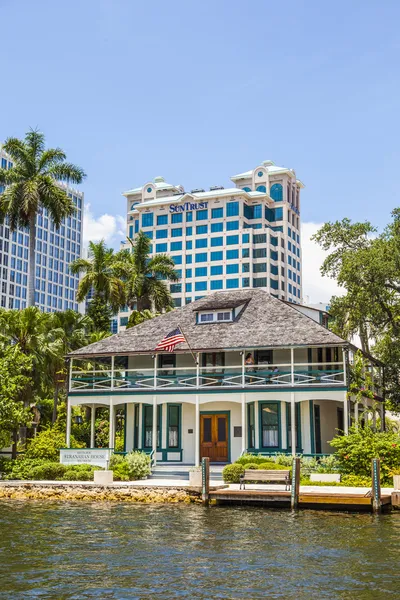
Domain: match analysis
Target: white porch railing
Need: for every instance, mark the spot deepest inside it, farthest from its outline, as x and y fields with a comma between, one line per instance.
x=235, y=376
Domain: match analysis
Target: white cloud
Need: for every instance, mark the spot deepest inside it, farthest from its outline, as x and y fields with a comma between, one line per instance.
x=108, y=227
x=316, y=287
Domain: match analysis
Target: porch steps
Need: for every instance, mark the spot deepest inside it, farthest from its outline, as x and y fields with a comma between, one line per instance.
x=180, y=472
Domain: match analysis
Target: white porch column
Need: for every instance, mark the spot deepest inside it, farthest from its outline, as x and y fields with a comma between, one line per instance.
x=155, y=371
x=243, y=398
x=292, y=364
x=256, y=426
x=154, y=436
x=111, y=433
x=68, y=436
x=197, y=433
x=140, y=428
x=197, y=370
x=92, y=424
x=346, y=414
x=243, y=369
x=293, y=422
x=112, y=371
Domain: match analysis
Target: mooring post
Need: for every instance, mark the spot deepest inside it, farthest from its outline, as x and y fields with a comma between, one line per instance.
x=294, y=499
x=205, y=480
x=376, y=485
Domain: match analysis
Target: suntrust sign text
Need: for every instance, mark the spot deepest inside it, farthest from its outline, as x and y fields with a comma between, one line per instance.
x=187, y=206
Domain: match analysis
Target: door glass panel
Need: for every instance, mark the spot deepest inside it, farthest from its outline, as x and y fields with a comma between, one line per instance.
x=270, y=433
x=207, y=429
x=221, y=429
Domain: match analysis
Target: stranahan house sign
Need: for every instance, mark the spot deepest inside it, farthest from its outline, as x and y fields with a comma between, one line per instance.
x=89, y=456
x=176, y=208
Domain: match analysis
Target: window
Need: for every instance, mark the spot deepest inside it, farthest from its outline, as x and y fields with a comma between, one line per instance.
x=189, y=230
x=200, y=229
x=188, y=287
x=245, y=282
x=232, y=254
x=189, y=245
x=201, y=243
x=214, y=317
x=270, y=425
x=232, y=283
x=261, y=188
x=231, y=269
x=216, y=270
x=259, y=238
x=178, y=260
x=177, y=232
x=245, y=267
x=232, y=209
x=245, y=238
x=148, y=426
x=174, y=425
x=273, y=283
x=232, y=240
x=260, y=267
x=176, y=246
x=161, y=233
x=147, y=220
x=232, y=225
x=274, y=255
x=217, y=213
x=276, y=192
x=148, y=234
x=201, y=257
x=189, y=217
x=162, y=220
x=188, y=273
x=274, y=240
x=206, y=317
x=260, y=282
x=274, y=269
x=217, y=255
x=176, y=218
x=202, y=215
x=224, y=316
x=176, y=288
x=123, y=321
x=200, y=286
x=189, y=259
x=217, y=227
x=259, y=253
x=217, y=241
x=279, y=214
x=246, y=253
x=216, y=285
x=251, y=436
x=201, y=271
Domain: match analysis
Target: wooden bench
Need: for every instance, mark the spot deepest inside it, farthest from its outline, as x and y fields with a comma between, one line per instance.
x=261, y=475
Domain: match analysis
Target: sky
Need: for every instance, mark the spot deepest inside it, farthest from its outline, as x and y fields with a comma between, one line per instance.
x=199, y=91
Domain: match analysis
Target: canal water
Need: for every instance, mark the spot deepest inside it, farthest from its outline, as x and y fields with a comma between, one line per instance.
x=119, y=551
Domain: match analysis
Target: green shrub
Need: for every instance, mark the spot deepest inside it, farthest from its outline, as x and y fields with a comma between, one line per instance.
x=121, y=471
x=70, y=475
x=231, y=473
x=355, y=451
x=134, y=465
x=22, y=468
x=254, y=459
x=272, y=466
x=6, y=465
x=48, y=471
x=46, y=445
x=328, y=464
x=355, y=481
x=250, y=466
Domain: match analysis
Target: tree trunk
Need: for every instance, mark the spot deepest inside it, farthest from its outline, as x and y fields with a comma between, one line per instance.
x=55, y=403
x=14, y=444
x=31, y=279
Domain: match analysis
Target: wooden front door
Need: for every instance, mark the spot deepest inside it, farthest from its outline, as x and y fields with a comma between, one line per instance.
x=214, y=437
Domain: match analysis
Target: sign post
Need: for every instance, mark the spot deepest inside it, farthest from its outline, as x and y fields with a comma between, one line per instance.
x=205, y=480
x=295, y=491
x=376, y=485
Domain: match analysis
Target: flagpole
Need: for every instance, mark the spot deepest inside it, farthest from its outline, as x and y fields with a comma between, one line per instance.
x=194, y=358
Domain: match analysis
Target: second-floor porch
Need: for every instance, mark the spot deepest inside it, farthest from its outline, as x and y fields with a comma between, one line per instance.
x=248, y=368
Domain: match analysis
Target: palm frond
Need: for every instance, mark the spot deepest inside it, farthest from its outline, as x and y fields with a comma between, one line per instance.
x=34, y=141
x=80, y=265
x=51, y=157
x=17, y=150
x=67, y=172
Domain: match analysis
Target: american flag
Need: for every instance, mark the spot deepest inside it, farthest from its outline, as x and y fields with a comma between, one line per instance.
x=171, y=340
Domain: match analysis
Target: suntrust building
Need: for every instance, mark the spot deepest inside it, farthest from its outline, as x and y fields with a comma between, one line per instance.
x=245, y=236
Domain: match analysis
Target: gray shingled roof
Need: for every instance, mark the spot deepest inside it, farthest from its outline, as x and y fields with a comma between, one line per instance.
x=264, y=322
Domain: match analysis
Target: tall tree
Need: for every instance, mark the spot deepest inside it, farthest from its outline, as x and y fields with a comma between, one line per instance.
x=145, y=278
x=99, y=275
x=32, y=185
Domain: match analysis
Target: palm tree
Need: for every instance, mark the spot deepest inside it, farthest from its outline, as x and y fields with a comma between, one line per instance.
x=145, y=277
x=32, y=184
x=101, y=277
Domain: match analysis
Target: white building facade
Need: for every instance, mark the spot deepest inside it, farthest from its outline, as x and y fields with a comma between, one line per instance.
x=247, y=236
x=55, y=286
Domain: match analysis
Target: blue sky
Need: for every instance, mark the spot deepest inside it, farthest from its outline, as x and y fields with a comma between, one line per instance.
x=199, y=91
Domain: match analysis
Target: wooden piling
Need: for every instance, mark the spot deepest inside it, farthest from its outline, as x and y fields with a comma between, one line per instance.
x=376, y=485
x=205, y=480
x=295, y=491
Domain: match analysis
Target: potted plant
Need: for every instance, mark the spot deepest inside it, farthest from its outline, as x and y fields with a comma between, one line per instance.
x=195, y=476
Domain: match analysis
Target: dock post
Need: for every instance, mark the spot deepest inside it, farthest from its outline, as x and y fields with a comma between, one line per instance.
x=376, y=485
x=205, y=480
x=295, y=492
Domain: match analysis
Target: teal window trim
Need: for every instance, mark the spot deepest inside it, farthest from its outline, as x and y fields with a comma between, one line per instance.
x=159, y=425
x=299, y=448
x=177, y=448
x=136, y=426
x=261, y=405
x=251, y=435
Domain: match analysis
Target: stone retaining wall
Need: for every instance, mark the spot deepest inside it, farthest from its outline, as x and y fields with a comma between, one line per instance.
x=94, y=493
